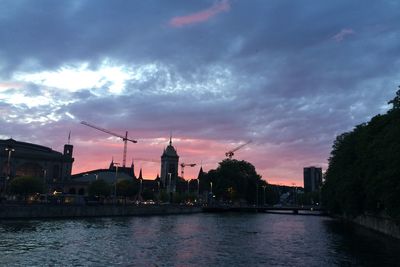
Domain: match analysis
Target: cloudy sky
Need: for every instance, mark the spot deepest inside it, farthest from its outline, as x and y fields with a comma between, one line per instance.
x=288, y=75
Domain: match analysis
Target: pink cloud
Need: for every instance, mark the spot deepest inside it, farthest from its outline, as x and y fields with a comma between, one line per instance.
x=201, y=16
x=342, y=34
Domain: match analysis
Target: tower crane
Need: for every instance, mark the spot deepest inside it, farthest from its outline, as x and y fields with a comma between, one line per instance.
x=183, y=165
x=230, y=153
x=125, y=138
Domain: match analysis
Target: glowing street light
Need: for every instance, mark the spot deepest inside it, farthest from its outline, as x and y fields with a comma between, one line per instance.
x=9, y=150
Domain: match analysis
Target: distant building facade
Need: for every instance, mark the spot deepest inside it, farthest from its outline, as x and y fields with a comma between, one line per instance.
x=79, y=183
x=19, y=159
x=169, y=168
x=312, y=178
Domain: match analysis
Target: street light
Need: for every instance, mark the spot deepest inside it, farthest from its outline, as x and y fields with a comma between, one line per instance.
x=158, y=185
x=45, y=181
x=9, y=150
x=264, y=186
x=115, y=184
x=256, y=194
x=169, y=187
x=294, y=194
x=169, y=182
x=140, y=189
x=198, y=187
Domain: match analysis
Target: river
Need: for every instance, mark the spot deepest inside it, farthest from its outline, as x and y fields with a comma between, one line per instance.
x=194, y=240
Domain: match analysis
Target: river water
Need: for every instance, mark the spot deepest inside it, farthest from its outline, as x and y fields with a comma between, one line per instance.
x=194, y=240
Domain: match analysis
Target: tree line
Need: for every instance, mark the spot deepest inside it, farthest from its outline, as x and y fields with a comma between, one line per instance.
x=364, y=167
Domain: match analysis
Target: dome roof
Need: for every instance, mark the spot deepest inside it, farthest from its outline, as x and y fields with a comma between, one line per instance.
x=170, y=151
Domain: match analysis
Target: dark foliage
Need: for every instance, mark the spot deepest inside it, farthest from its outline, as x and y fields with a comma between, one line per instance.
x=364, y=167
x=235, y=180
x=127, y=188
x=25, y=186
x=99, y=188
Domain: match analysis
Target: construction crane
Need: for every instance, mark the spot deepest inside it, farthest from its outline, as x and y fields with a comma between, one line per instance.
x=230, y=153
x=183, y=165
x=125, y=138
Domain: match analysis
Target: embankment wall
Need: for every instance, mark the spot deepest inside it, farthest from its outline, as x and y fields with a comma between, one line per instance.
x=72, y=211
x=381, y=224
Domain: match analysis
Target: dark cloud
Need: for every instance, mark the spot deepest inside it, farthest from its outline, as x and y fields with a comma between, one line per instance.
x=288, y=75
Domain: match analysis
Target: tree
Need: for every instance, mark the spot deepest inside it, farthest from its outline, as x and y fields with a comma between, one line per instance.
x=235, y=180
x=127, y=188
x=25, y=186
x=364, y=167
x=396, y=101
x=99, y=188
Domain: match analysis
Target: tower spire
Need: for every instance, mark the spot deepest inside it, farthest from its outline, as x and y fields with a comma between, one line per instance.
x=140, y=174
x=170, y=138
x=112, y=163
x=69, y=137
x=133, y=170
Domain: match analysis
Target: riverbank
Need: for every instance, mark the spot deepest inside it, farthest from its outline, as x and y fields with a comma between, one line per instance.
x=76, y=211
x=382, y=224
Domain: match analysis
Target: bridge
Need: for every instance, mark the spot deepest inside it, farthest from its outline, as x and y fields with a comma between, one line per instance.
x=296, y=210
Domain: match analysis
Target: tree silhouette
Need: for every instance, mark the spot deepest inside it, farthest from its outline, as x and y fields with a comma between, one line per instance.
x=364, y=167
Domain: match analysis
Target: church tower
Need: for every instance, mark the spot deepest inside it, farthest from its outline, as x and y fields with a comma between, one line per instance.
x=169, y=167
x=67, y=160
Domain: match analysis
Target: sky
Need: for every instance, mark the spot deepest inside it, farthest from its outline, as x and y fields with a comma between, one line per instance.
x=288, y=75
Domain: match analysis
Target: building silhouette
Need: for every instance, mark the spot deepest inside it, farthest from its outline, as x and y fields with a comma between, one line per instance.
x=312, y=179
x=169, y=167
x=21, y=159
x=18, y=159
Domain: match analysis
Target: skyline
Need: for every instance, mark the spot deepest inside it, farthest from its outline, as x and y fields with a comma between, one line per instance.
x=288, y=76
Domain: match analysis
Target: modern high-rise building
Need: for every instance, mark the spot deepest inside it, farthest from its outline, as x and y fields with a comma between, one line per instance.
x=312, y=178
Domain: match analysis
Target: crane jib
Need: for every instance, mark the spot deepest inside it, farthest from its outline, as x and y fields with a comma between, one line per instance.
x=125, y=138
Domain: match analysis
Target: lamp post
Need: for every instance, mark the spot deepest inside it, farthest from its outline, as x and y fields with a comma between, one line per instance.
x=140, y=189
x=264, y=186
x=45, y=181
x=294, y=194
x=9, y=150
x=212, y=194
x=256, y=194
x=158, y=186
x=115, y=184
x=198, y=187
x=169, y=187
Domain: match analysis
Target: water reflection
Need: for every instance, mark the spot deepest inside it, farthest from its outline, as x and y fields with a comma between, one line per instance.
x=18, y=226
x=361, y=246
x=194, y=240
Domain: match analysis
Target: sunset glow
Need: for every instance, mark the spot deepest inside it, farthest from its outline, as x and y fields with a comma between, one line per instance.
x=215, y=74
